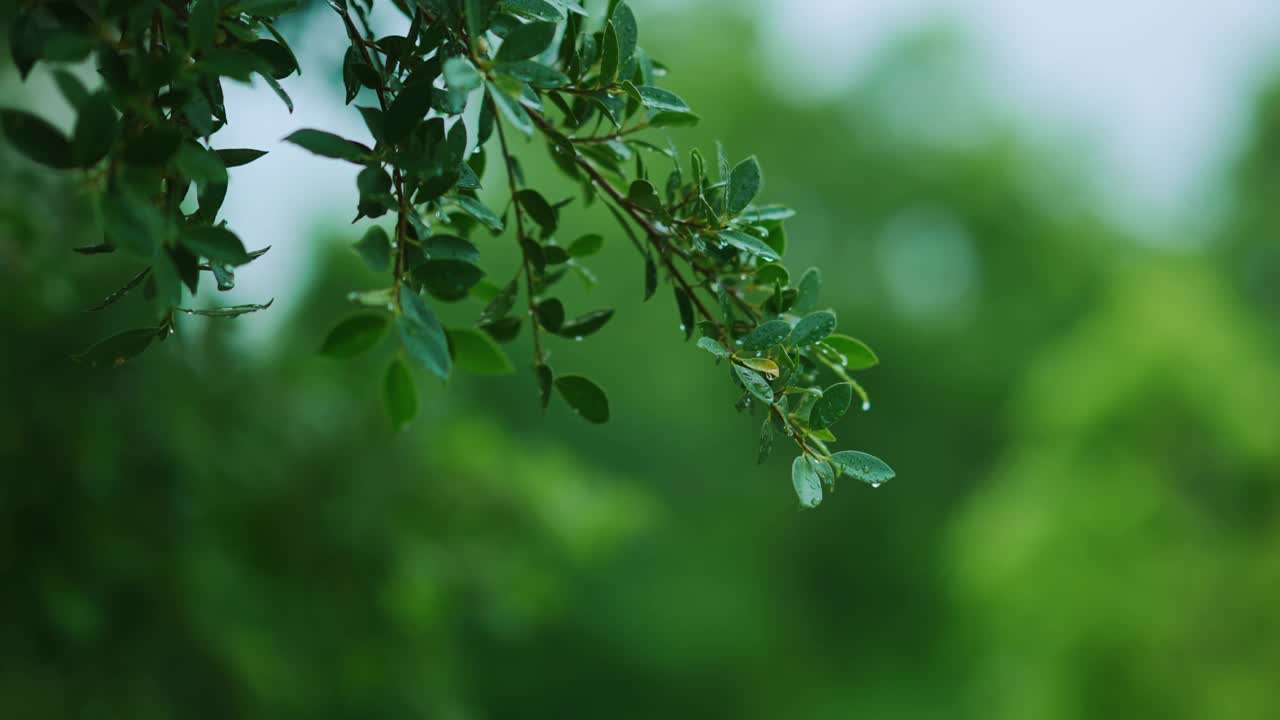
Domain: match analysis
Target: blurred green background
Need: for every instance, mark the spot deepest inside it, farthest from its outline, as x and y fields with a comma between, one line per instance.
x=1085, y=422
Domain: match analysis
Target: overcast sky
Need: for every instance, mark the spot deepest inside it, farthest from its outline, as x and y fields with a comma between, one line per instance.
x=1157, y=91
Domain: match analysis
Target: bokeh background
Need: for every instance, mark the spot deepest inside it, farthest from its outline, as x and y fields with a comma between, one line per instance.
x=1056, y=224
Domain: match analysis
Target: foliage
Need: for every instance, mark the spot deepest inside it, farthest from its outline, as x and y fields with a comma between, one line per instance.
x=541, y=69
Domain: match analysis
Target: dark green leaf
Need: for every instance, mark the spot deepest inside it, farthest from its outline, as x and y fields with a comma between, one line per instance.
x=534, y=73
x=232, y=311
x=586, y=245
x=407, y=111
x=585, y=397
x=585, y=325
x=329, y=145
x=810, y=286
x=768, y=334
x=118, y=349
x=235, y=157
x=744, y=183
x=422, y=335
x=37, y=139
x=686, y=312
x=526, y=41
x=399, y=394
x=354, y=335
x=218, y=244
x=813, y=328
x=375, y=249
x=832, y=406
x=538, y=208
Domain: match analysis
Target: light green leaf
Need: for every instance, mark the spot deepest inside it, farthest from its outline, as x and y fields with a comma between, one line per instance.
x=804, y=477
x=477, y=353
x=748, y=244
x=655, y=98
x=586, y=245
x=714, y=347
x=807, y=291
x=867, y=468
x=755, y=384
x=853, y=353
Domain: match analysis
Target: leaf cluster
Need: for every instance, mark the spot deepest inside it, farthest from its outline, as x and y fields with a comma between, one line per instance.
x=579, y=87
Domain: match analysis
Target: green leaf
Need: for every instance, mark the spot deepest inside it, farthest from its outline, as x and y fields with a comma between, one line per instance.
x=766, y=335
x=37, y=139
x=546, y=379
x=477, y=353
x=538, y=208
x=744, y=183
x=132, y=223
x=71, y=88
x=585, y=397
x=813, y=328
x=773, y=274
x=203, y=24
x=748, y=244
x=218, y=244
x=236, y=157
x=673, y=119
x=512, y=110
x=534, y=73
x=422, y=335
x=407, y=111
x=609, y=59
x=354, y=335
x=655, y=98
x=375, y=249
x=755, y=384
x=328, y=145
x=644, y=194
x=526, y=41
x=804, y=477
x=451, y=247
x=832, y=406
x=448, y=280
x=714, y=347
x=808, y=289
x=231, y=311
x=853, y=353
x=586, y=246
x=867, y=468
x=537, y=9
x=764, y=366
x=460, y=75
x=825, y=473
x=479, y=211
x=585, y=325
x=685, y=308
x=765, y=448
x=118, y=349
x=200, y=164
x=95, y=130
x=399, y=394
x=624, y=26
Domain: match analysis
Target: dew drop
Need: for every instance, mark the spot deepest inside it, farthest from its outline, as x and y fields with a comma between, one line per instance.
x=352, y=296
x=866, y=405
x=390, y=307
x=578, y=339
x=681, y=327
x=875, y=485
